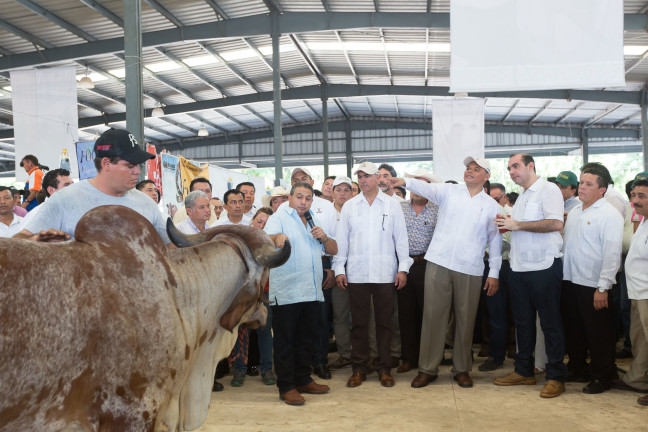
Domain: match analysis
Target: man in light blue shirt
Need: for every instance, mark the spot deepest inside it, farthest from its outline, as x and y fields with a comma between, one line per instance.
x=296, y=290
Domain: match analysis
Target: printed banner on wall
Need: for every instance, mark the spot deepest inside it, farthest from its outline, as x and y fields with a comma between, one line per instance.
x=500, y=45
x=85, y=159
x=153, y=167
x=189, y=171
x=457, y=132
x=171, y=183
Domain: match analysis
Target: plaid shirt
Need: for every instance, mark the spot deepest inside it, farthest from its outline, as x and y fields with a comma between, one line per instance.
x=420, y=228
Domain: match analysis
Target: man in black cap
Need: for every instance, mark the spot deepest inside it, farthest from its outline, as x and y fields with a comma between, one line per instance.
x=117, y=160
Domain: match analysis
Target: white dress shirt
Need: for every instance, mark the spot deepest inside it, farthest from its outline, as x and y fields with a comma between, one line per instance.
x=464, y=227
x=636, y=264
x=616, y=199
x=372, y=240
x=532, y=251
x=592, y=245
x=226, y=221
x=13, y=228
x=188, y=227
x=325, y=212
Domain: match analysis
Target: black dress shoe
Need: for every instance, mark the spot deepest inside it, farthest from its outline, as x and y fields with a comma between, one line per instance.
x=576, y=377
x=322, y=372
x=217, y=386
x=596, y=386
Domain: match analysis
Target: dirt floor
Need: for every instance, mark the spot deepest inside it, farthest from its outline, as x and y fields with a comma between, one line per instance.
x=441, y=406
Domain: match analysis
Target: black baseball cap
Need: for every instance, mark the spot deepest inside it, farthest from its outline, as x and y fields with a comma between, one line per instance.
x=122, y=144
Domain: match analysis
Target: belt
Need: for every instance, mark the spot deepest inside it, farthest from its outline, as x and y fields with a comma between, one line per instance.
x=418, y=258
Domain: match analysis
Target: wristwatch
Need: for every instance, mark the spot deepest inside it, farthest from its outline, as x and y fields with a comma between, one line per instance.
x=601, y=290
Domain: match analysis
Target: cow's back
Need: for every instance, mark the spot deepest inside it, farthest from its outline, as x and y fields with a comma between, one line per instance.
x=85, y=329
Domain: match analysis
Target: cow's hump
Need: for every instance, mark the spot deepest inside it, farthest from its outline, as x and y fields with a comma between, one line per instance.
x=116, y=224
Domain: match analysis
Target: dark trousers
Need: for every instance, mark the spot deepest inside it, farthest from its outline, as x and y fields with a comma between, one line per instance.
x=320, y=354
x=588, y=329
x=410, y=312
x=294, y=327
x=538, y=292
x=497, y=314
x=360, y=296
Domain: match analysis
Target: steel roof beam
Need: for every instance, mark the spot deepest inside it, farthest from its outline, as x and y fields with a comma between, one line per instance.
x=510, y=111
x=569, y=113
x=55, y=19
x=107, y=13
x=603, y=113
x=257, y=115
x=340, y=125
x=627, y=119
x=342, y=109
x=28, y=37
x=539, y=113
x=257, y=25
x=352, y=90
x=198, y=75
x=164, y=12
x=209, y=123
x=389, y=72
x=307, y=59
x=233, y=119
x=319, y=117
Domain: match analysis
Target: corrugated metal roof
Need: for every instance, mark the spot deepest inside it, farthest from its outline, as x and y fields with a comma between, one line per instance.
x=364, y=48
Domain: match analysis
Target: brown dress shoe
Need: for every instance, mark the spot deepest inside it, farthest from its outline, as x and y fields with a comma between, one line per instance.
x=423, y=379
x=313, y=388
x=552, y=389
x=643, y=400
x=514, y=379
x=356, y=379
x=386, y=379
x=340, y=363
x=405, y=367
x=292, y=397
x=464, y=380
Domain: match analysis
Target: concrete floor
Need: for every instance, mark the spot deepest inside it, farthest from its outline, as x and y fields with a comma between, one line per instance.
x=441, y=406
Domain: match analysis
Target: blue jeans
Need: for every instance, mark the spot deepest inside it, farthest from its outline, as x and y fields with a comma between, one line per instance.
x=264, y=336
x=539, y=291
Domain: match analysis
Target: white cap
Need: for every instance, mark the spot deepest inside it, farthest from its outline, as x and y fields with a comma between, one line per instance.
x=423, y=173
x=304, y=170
x=367, y=168
x=479, y=161
x=342, y=179
x=276, y=191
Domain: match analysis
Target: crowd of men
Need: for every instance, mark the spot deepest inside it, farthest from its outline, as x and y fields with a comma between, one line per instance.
x=397, y=280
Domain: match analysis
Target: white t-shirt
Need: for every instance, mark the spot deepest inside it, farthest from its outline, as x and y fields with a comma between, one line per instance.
x=226, y=221
x=14, y=227
x=637, y=263
x=63, y=210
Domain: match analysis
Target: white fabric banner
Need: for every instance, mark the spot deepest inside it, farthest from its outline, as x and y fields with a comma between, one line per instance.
x=457, y=132
x=500, y=45
x=45, y=116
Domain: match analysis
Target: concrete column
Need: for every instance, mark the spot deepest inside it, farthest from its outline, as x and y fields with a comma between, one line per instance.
x=585, y=145
x=325, y=146
x=133, y=61
x=644, y=135
x=348, y=148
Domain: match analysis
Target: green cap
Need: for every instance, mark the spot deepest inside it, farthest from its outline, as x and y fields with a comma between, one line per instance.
x=567, y=178
x=641, y=176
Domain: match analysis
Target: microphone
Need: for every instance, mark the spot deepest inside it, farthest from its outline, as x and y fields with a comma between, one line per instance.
x=309, y=221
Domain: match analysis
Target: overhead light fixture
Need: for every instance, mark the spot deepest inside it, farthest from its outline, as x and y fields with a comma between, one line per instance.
x=202, y=132
x=86, y=82
x=157, y=111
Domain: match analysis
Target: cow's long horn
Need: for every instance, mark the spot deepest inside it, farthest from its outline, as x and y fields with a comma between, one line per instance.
x=268, y=256
x=181, y=239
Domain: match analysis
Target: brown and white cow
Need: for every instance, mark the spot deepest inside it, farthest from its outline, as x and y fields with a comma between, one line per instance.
x=115, y=332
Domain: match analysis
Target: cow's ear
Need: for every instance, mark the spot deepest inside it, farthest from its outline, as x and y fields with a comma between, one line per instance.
x=243, y=301
x=233, y=316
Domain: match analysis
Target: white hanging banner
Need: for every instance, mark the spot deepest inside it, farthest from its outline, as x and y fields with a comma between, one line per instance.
x=45, y=115
x=457, y=132
x=500, y=45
